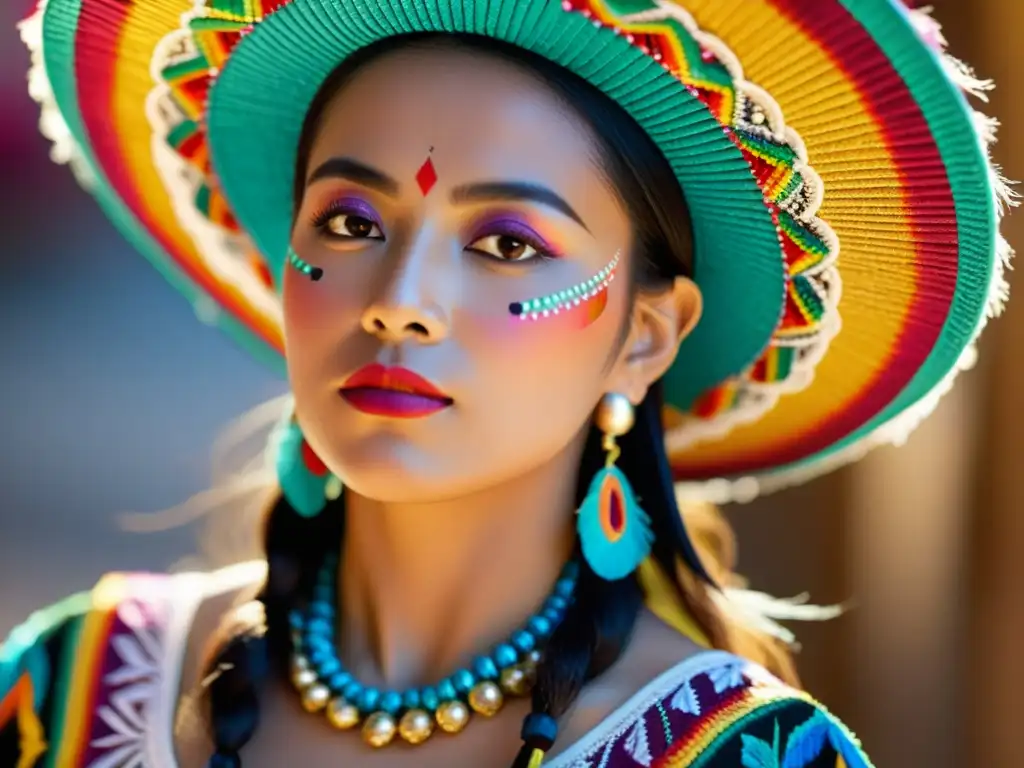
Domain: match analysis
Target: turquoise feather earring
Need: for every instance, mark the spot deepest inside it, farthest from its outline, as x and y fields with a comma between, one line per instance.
x=306, y=483
x=615, y=533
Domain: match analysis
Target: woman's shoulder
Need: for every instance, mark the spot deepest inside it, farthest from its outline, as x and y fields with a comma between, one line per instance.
x=718, y=709
x=83, y=678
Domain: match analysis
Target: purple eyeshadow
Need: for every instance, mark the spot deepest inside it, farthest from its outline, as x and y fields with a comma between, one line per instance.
x=515, y=228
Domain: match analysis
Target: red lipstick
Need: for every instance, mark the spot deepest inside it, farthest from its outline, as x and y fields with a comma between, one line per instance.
x=394, y=392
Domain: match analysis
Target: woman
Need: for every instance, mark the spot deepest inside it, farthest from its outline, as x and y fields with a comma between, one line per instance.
x=529, y=263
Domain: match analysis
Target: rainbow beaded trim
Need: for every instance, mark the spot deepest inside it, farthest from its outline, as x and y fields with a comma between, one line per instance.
x=792, y=191
x=560, y=301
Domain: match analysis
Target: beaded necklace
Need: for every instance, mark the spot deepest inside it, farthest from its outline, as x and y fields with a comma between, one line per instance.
x=326, y=686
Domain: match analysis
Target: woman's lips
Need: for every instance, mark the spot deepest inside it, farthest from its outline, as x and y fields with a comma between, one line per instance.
x=388, y=402
x=394, y=392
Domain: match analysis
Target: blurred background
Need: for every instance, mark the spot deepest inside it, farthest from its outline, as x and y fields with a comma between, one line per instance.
x=113, y=393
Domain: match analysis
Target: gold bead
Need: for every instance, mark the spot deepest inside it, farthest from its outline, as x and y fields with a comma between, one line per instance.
x=299, y=662
x=614, y=415
x=534, y=657
x=315, y=697
x=452, y=716
x=515, y=681
x=303, y=678
x=379, y=729
x=342, y=715
x=416, y=726
x=485, y=698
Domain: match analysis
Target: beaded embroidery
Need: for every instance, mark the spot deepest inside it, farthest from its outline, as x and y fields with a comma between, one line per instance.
x=792, y=191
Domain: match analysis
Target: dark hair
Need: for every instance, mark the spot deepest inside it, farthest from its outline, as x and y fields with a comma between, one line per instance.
x=601, y=618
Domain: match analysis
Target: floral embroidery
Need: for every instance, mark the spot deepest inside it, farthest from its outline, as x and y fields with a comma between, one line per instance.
x=637, y=744
x=130, y=686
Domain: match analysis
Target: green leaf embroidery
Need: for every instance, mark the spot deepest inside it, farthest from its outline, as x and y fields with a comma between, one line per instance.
x=758, y=753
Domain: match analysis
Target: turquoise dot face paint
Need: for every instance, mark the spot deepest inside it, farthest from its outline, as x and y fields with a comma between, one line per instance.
x=584, y=302
x=296, y=261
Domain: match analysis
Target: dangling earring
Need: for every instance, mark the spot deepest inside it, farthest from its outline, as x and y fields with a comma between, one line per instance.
x=615, y=533
x=305, y=481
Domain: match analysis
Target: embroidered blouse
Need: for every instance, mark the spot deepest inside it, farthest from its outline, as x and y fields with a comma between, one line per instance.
x=92, y=682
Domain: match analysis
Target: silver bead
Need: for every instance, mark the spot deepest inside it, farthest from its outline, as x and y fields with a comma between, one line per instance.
x=615, y=414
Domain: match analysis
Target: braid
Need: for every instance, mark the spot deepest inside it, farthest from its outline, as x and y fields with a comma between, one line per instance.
x=592, y=637
x=295, y=547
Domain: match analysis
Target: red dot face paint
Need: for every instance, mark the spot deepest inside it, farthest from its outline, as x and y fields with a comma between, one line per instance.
x=426, y=176
x=577, y=307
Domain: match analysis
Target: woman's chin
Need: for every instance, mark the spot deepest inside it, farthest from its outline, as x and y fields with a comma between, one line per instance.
x=391, y=470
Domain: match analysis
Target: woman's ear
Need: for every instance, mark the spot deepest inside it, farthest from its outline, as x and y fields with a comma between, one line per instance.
x=661, y=319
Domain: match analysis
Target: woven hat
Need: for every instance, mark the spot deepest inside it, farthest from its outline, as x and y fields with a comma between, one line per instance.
x=844, y=211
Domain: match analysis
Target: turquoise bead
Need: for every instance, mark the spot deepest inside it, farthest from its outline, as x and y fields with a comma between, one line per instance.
x=486, y=668
x=464, y=680
x=553, y=615
x=318, y=642
x=295, y=619
x=320, y=656
x=446, y=690
x=352, y=691
x=322, y=610
x=430, y=699
x=339, y=681
x=411, y=700
x=505, y=655
x=391, y=702
x=319, y=627
x=524, y=641
x=369, y=699
x=565, y=587
x=540, y=626
x=557, y=602
x=329, y=667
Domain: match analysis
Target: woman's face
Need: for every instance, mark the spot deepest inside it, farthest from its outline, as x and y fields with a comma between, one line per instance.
x=444, y=192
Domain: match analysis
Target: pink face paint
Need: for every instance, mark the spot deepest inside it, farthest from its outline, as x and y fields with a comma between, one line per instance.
x=578, y=306
x=426, y=176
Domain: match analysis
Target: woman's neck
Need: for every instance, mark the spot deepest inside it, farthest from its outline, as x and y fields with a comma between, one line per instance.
x=425, y=587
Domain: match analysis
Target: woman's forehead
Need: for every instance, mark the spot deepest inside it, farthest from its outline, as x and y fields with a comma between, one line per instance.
x=484, y=116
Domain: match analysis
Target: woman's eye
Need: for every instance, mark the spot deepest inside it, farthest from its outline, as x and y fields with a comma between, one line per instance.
x=506, y=248
x=348, y=225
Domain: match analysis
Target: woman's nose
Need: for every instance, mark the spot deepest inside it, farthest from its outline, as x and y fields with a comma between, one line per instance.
x=407, y=308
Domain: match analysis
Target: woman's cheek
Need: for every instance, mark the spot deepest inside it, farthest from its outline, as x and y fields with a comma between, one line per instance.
x=558, y=334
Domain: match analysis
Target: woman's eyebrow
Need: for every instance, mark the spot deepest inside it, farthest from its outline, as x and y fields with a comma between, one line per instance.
x=353, y=170
x=515, y=191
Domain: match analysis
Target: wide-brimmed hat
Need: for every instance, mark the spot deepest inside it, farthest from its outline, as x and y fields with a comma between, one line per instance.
x=844, y=210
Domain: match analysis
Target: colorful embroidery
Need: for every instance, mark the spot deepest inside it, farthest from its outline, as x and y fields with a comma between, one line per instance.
x=187, y=62
x=19, y=706
x=107, y=647
x=727, y=715
x=793, y=192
